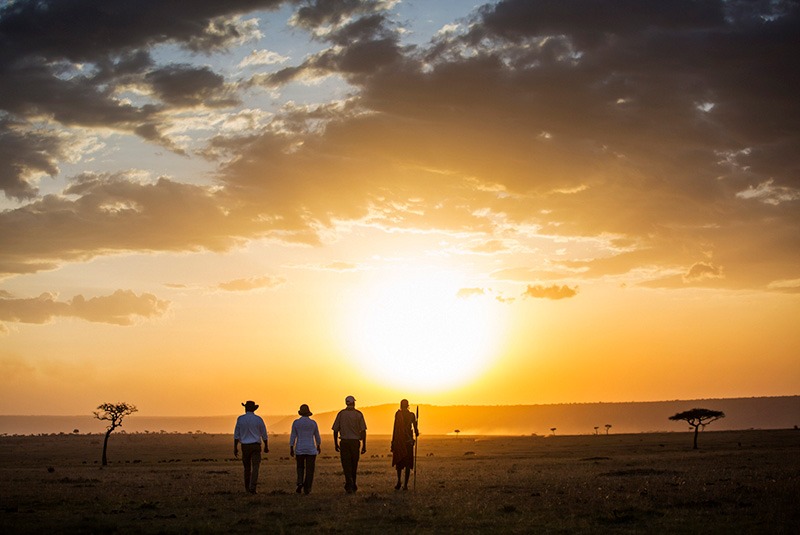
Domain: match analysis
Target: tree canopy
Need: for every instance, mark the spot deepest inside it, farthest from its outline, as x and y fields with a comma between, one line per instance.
x=698, y=418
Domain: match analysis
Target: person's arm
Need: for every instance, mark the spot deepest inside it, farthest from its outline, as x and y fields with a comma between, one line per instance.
x=336, y=440
x=292, y=439
x=236, y=447
x=265, y=437
x=318, y=439
x=364, y=441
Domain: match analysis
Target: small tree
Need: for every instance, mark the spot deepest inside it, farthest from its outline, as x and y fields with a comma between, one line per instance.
x=553, y=429
x=113, y=413
x=697, y=418
x=596, y=428
x=457, y=431
x=608, y=426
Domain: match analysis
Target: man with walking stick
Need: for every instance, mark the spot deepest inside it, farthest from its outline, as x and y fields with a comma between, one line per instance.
x=404, y=436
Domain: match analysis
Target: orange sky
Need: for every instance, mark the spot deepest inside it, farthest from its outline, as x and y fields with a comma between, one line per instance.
x=515, y=203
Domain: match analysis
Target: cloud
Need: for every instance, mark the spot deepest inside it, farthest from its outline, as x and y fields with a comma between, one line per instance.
x=187, y=86
x=466, y=293
x=252, y=283
x=550, y=292
x=570, y=121
x=768, y=193
x=703, y=270
x=341, y=266
x=788, y=286
x=262, y=57
x=119, y=308
x=71, y=73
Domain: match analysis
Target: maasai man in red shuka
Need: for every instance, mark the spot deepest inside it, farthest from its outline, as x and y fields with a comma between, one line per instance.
x=403, y=435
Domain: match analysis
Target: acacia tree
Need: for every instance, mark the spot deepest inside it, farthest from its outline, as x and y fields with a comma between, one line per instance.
x=608, y=426
x=113, y=413
x=697, y=418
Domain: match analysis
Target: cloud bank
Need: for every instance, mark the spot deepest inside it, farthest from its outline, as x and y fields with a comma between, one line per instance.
x=625, y=123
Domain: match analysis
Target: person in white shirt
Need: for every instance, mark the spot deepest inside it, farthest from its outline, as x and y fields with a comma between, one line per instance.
x=352, y=428
x=250, y=430
x=304, y=445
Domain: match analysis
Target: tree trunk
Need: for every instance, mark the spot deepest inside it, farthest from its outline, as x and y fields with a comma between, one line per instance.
x=696, y=431
x=105, y=447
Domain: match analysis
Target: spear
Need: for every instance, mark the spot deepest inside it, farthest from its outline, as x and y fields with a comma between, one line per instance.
x=416, y=448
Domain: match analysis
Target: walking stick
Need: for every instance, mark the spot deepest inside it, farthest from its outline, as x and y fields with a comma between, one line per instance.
x=416, y=448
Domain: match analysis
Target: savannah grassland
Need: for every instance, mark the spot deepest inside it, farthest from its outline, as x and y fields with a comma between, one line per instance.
x=737, y=482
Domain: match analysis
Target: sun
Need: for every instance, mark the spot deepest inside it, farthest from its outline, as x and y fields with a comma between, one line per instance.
x=424, y=331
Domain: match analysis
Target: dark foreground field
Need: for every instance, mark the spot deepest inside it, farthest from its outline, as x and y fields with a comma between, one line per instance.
x=738, y=482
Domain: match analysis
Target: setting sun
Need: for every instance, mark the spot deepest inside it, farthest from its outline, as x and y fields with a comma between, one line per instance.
x=423, y=331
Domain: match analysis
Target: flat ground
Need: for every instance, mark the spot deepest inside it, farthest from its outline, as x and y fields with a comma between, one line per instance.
x=737, y=482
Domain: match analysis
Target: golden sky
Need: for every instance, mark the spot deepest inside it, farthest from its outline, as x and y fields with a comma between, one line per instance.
x=292, y=201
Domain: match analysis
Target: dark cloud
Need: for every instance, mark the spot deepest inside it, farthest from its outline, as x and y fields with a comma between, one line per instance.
x=106, y=214
x=669, y=130
x=187, y=86
x=89, y=30
x=23, y=153
x=319, y=13
x=41, y=43
x=359, y=48
x=119, y=308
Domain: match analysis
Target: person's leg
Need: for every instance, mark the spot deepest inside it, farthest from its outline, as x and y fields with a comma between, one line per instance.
x=399, y=469
x=300, y=471
x=346, y=454
x=256, y=463
x=408, y=473
x=246, y=462
x=356, y=456
x=311, y=462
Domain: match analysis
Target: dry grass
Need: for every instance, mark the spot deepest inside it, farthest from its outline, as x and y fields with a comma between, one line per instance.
x=738, y=482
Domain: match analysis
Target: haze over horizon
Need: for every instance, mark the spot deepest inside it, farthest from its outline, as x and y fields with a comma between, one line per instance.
x=458, y=203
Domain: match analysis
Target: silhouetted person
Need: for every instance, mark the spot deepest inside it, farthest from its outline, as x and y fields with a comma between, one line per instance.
x=404, y=433
x=250, y=430
x=304, y=445
x=352, y=428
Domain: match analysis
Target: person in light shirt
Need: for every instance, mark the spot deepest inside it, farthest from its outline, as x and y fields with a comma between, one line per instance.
x=250, y=430
x=352, y=428
x=304, y=445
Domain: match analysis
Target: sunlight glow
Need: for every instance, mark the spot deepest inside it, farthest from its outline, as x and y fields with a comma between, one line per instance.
x=417, y=332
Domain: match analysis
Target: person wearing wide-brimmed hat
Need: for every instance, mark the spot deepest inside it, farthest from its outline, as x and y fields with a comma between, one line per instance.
x=250, y=430
x=352, y=428
x=304, y=445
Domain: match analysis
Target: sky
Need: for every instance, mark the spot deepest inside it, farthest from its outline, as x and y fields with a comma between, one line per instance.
x=454, y=202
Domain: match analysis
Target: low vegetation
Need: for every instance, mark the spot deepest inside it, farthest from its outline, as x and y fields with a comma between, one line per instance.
x=740, y=482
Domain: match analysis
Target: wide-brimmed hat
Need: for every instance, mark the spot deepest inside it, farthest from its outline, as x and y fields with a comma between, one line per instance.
x=249, y=405
x=304, y=410
x=350, y=400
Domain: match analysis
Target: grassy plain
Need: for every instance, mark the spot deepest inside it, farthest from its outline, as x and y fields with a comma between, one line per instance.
x=738, y=482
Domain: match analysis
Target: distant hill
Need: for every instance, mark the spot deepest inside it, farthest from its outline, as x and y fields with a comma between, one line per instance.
x=568, y=419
